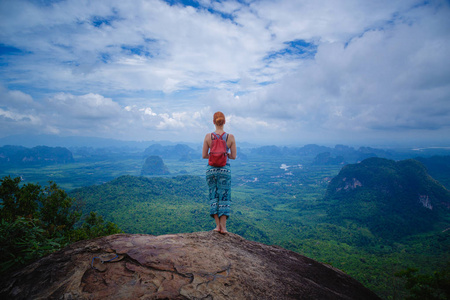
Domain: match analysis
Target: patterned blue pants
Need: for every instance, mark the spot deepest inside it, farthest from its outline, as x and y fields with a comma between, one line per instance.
x=219, y=184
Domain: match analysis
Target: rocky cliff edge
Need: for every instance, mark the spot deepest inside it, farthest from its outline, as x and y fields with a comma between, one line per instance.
x=200, y=265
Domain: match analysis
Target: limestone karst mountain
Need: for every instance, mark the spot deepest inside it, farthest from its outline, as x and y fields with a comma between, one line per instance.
x=201, y=265
x=154, y=165
x=393, y=199
x=21, y=156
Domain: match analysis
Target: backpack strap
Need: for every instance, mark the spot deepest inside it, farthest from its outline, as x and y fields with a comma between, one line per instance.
x=218, y=137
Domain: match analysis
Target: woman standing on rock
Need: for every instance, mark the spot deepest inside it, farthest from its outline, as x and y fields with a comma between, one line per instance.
x=218, y=145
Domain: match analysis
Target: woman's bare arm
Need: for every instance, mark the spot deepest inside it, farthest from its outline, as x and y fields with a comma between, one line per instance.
x=231, y=143
x=206, y=146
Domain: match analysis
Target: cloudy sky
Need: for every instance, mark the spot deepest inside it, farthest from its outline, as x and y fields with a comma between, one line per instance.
x=358, y=72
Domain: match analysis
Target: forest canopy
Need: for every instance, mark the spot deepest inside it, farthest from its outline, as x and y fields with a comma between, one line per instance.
x=36, y=221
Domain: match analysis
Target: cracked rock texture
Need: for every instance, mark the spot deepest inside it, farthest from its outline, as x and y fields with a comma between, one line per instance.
x=200, y=265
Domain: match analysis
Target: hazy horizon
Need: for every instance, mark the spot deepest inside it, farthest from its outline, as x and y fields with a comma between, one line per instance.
x=99, y=142
x=368, y=73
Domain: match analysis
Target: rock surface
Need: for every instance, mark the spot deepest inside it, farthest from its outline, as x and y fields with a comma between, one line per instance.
x=201, y=265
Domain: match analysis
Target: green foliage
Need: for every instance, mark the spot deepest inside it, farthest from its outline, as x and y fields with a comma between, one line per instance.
x=94, y=226
x=51, y=205
x=16, y=201
x=425, y=286
x=23, y=240
x=274, y=206
x=36, y=221
x=386, y=196
x=140, y=204
x=280, y=209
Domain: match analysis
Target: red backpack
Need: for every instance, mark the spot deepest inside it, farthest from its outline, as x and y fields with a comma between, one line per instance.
x=218, y=153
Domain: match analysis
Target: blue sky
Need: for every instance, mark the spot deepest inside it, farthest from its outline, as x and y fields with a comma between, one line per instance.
x=357, y=72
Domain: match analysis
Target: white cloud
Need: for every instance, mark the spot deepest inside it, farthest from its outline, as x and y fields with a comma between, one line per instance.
x=18, y=112
x=89, y=106
x=14, y=116
x=146, y=68
x=391, y=78
x=15, y=99
x=148, y=111
x=95, y=115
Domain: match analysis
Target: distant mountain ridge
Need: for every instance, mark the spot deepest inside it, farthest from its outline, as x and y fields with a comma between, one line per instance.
x=178, y=151
x=393, y=199
x=41, y=154
x=26, y=140
x=323, y=155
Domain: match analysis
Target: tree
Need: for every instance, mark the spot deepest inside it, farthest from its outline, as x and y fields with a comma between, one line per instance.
x=94, y=226
x=36, y=221
x=51, y=206
x=427, y=287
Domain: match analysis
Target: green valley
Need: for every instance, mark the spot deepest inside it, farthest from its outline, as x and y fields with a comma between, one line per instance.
x=283, y=206
x=281, y=196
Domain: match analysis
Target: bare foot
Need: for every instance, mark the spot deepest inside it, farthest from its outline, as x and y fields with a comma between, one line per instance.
x=223, y=231
x=217, y=229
